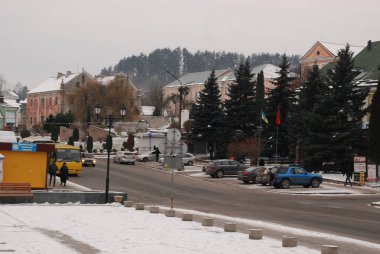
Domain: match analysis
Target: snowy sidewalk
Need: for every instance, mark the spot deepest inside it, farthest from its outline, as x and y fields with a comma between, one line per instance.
x=112, y=228
x=116, y=229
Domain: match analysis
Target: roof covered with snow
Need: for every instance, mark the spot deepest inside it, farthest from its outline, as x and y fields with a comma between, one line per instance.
x=12, y=103
x=147, y=110
x=197, y=77
x=53, y=84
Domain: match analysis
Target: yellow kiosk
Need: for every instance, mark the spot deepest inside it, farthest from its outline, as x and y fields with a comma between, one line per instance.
x=26, y=163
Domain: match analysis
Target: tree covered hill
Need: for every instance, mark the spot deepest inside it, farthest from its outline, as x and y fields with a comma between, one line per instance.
x=150, y=70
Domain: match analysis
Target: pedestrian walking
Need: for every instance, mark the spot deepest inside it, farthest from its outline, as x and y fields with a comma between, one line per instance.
x=64, y=174
x=348, y=177
x=52, y=172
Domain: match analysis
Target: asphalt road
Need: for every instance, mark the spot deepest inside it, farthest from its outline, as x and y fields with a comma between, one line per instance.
x=344, y=215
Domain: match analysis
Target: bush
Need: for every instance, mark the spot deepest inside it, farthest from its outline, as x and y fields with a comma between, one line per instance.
x=25, y=133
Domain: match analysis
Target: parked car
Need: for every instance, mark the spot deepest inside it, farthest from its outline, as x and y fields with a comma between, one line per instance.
x=147, y=156
x=266, y=177
x=88, y=160
x=219, y=168
x=125, y=157
x=296, y=176
x=187, y=159
x=249, y=174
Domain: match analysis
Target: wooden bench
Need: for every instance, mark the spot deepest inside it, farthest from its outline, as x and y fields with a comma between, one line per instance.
x=15, y=191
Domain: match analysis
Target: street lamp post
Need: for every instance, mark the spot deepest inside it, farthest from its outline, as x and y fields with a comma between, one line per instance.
x=180, y=99
x=109, y=144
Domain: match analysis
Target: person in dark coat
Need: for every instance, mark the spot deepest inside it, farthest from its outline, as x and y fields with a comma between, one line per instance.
x=348, y=177
x=64, y=174
x=52, y=172
x=157, y=153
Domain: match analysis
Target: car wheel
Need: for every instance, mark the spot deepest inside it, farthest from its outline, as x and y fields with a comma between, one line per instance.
x=263, y=184
x=189, y=163
x=133, y=163
x=145, y=159
x=254, y=180
x=315, y=183
x=285, y=184
x=246, y=181
x=93, y=166
x=306, y=186
x=219, y=173
x=276, y=186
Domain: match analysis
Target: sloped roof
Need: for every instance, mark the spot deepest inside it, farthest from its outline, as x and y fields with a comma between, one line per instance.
x=197, y=77
x=335, y=47
x=54, y=83
x=366, y=63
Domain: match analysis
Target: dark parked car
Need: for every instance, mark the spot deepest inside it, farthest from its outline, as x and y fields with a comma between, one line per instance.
x=88, y=160
x=249, y=174
x=219, y=168
x=296, y=176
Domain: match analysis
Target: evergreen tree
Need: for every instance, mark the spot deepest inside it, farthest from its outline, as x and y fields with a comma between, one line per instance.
x=55, y=133
x=90, y=144
x=130, y=142
x=109, y=143
x=374, y=126
x=207, y=114
x=241, y=109
x=310, y=133
x=260, y=91
x=157, y=111
x=71, y=141
x=75, y=134
x=340, y=112
x=280, y=99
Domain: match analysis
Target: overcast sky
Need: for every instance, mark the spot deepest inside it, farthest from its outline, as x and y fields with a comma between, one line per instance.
x=42, y=37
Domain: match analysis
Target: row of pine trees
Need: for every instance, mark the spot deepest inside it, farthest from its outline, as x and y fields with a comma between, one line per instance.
x=318, y=124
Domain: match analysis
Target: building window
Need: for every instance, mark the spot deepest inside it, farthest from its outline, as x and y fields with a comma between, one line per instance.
x=31, y=120
x=51, y=101
x=35, y=119
x=56, y=101
x=42, y=101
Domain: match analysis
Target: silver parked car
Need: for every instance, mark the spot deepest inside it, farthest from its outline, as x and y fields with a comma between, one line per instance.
x=187, y=159
x=125, y=157
x=147, y=156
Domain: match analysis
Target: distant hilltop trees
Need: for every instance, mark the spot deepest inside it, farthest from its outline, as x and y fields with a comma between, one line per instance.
x=150, y=70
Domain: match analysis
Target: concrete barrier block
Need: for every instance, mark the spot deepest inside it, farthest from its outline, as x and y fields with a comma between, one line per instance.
x=154, y=209
x=329, y=249
x=230, y=227
x=207, y=222
x=289, y=241
x=140, y=206
x=187, y=217
x=256, y=234
x=118, y=198
x=128, y=203
x=170, y=213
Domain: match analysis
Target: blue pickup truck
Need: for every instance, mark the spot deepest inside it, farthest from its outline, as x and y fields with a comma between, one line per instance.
x=287, y=176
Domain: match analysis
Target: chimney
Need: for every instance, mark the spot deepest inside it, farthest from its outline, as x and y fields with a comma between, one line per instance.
x=1, y=98
x=369, y=45
x=60, y=74
x=68, y=73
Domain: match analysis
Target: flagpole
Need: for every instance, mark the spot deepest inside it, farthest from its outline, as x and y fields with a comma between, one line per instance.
x=275, y=160
x=258, y=148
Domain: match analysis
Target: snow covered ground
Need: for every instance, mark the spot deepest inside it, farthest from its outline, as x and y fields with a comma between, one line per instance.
x=73, y=228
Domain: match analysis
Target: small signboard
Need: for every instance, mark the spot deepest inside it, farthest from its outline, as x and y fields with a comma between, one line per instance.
x=24, y=147
x=371, y=173
x=359, y=164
